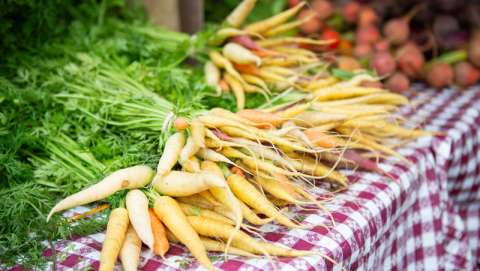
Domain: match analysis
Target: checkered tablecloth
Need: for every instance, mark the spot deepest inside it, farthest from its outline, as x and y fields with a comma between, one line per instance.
x=427, y=218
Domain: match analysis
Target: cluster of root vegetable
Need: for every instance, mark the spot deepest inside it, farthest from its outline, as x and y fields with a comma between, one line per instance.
x=403, y=42
x=220, y=170
x=256, y=58
x=222, y=175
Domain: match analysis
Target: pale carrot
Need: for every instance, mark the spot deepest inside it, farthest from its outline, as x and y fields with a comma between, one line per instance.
x=170, y=213
x=160, y=243
x=220, y=61
x=212, y=76
x=180, y=183
x=127, y=178
x=115, y=235
x=272, y=42
x=131, y=249
x=238, y=90
x=269, y=23
x=191, y=210
x=239, y=54
x=261, y=117
x=241, y=240
x=191, y=165
x=137, y=206
x=247, y=193
x=214, y=245
x=320, y=138
x=189, y=149
x=198, y=133
x=171, y=153
x=240, y=13
x=279, y=29
x=336, y=93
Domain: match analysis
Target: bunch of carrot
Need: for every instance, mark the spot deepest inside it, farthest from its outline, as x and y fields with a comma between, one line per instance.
x=256, y=58
x=216, y=171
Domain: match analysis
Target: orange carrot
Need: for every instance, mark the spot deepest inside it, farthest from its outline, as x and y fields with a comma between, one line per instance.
x=320, y=139
x=160, y=243
x=246, y=68
x=261, y=117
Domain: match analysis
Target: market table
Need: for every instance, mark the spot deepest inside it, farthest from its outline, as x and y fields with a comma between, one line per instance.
x=426, y=218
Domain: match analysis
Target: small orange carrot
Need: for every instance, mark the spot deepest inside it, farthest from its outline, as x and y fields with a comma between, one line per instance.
x=160, y=243
x=238, y=171
x=223, y=85
x=246, y=68
x=180, y=124
x=320, y=139
x=261, y=117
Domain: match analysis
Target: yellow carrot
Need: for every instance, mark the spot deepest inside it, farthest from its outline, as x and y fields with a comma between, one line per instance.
x=131, y=249
x=221, y=62
x=188, y=150
x=212, y=76
x=261, y=117
x=242, y=240
x=115, y=235
x=240, y=13
x=191, y=210
x=180, y=183
x=170, y=213
x=214, y=245
x=247, y=193
x=264, y=25
x=238, y=91
x=137, y=206
x=287, y=26
x=171, y=153
x=198, y=133
x=285, y=40
x=334, y=93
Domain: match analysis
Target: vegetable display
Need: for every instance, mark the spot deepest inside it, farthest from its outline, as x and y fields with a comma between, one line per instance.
x=164, y=151
x=401, y=40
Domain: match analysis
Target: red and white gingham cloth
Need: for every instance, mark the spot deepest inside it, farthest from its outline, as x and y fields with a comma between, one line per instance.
x=428, y=218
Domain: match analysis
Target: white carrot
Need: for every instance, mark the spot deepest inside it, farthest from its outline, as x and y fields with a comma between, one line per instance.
x=171, y=152
x=180, y=184
x=212, y=76
x=188, y=150
x=198, y=133
x=130, y=252
x=137, y=206
x=127, y=178
x=239, y=54
x=238, y=15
